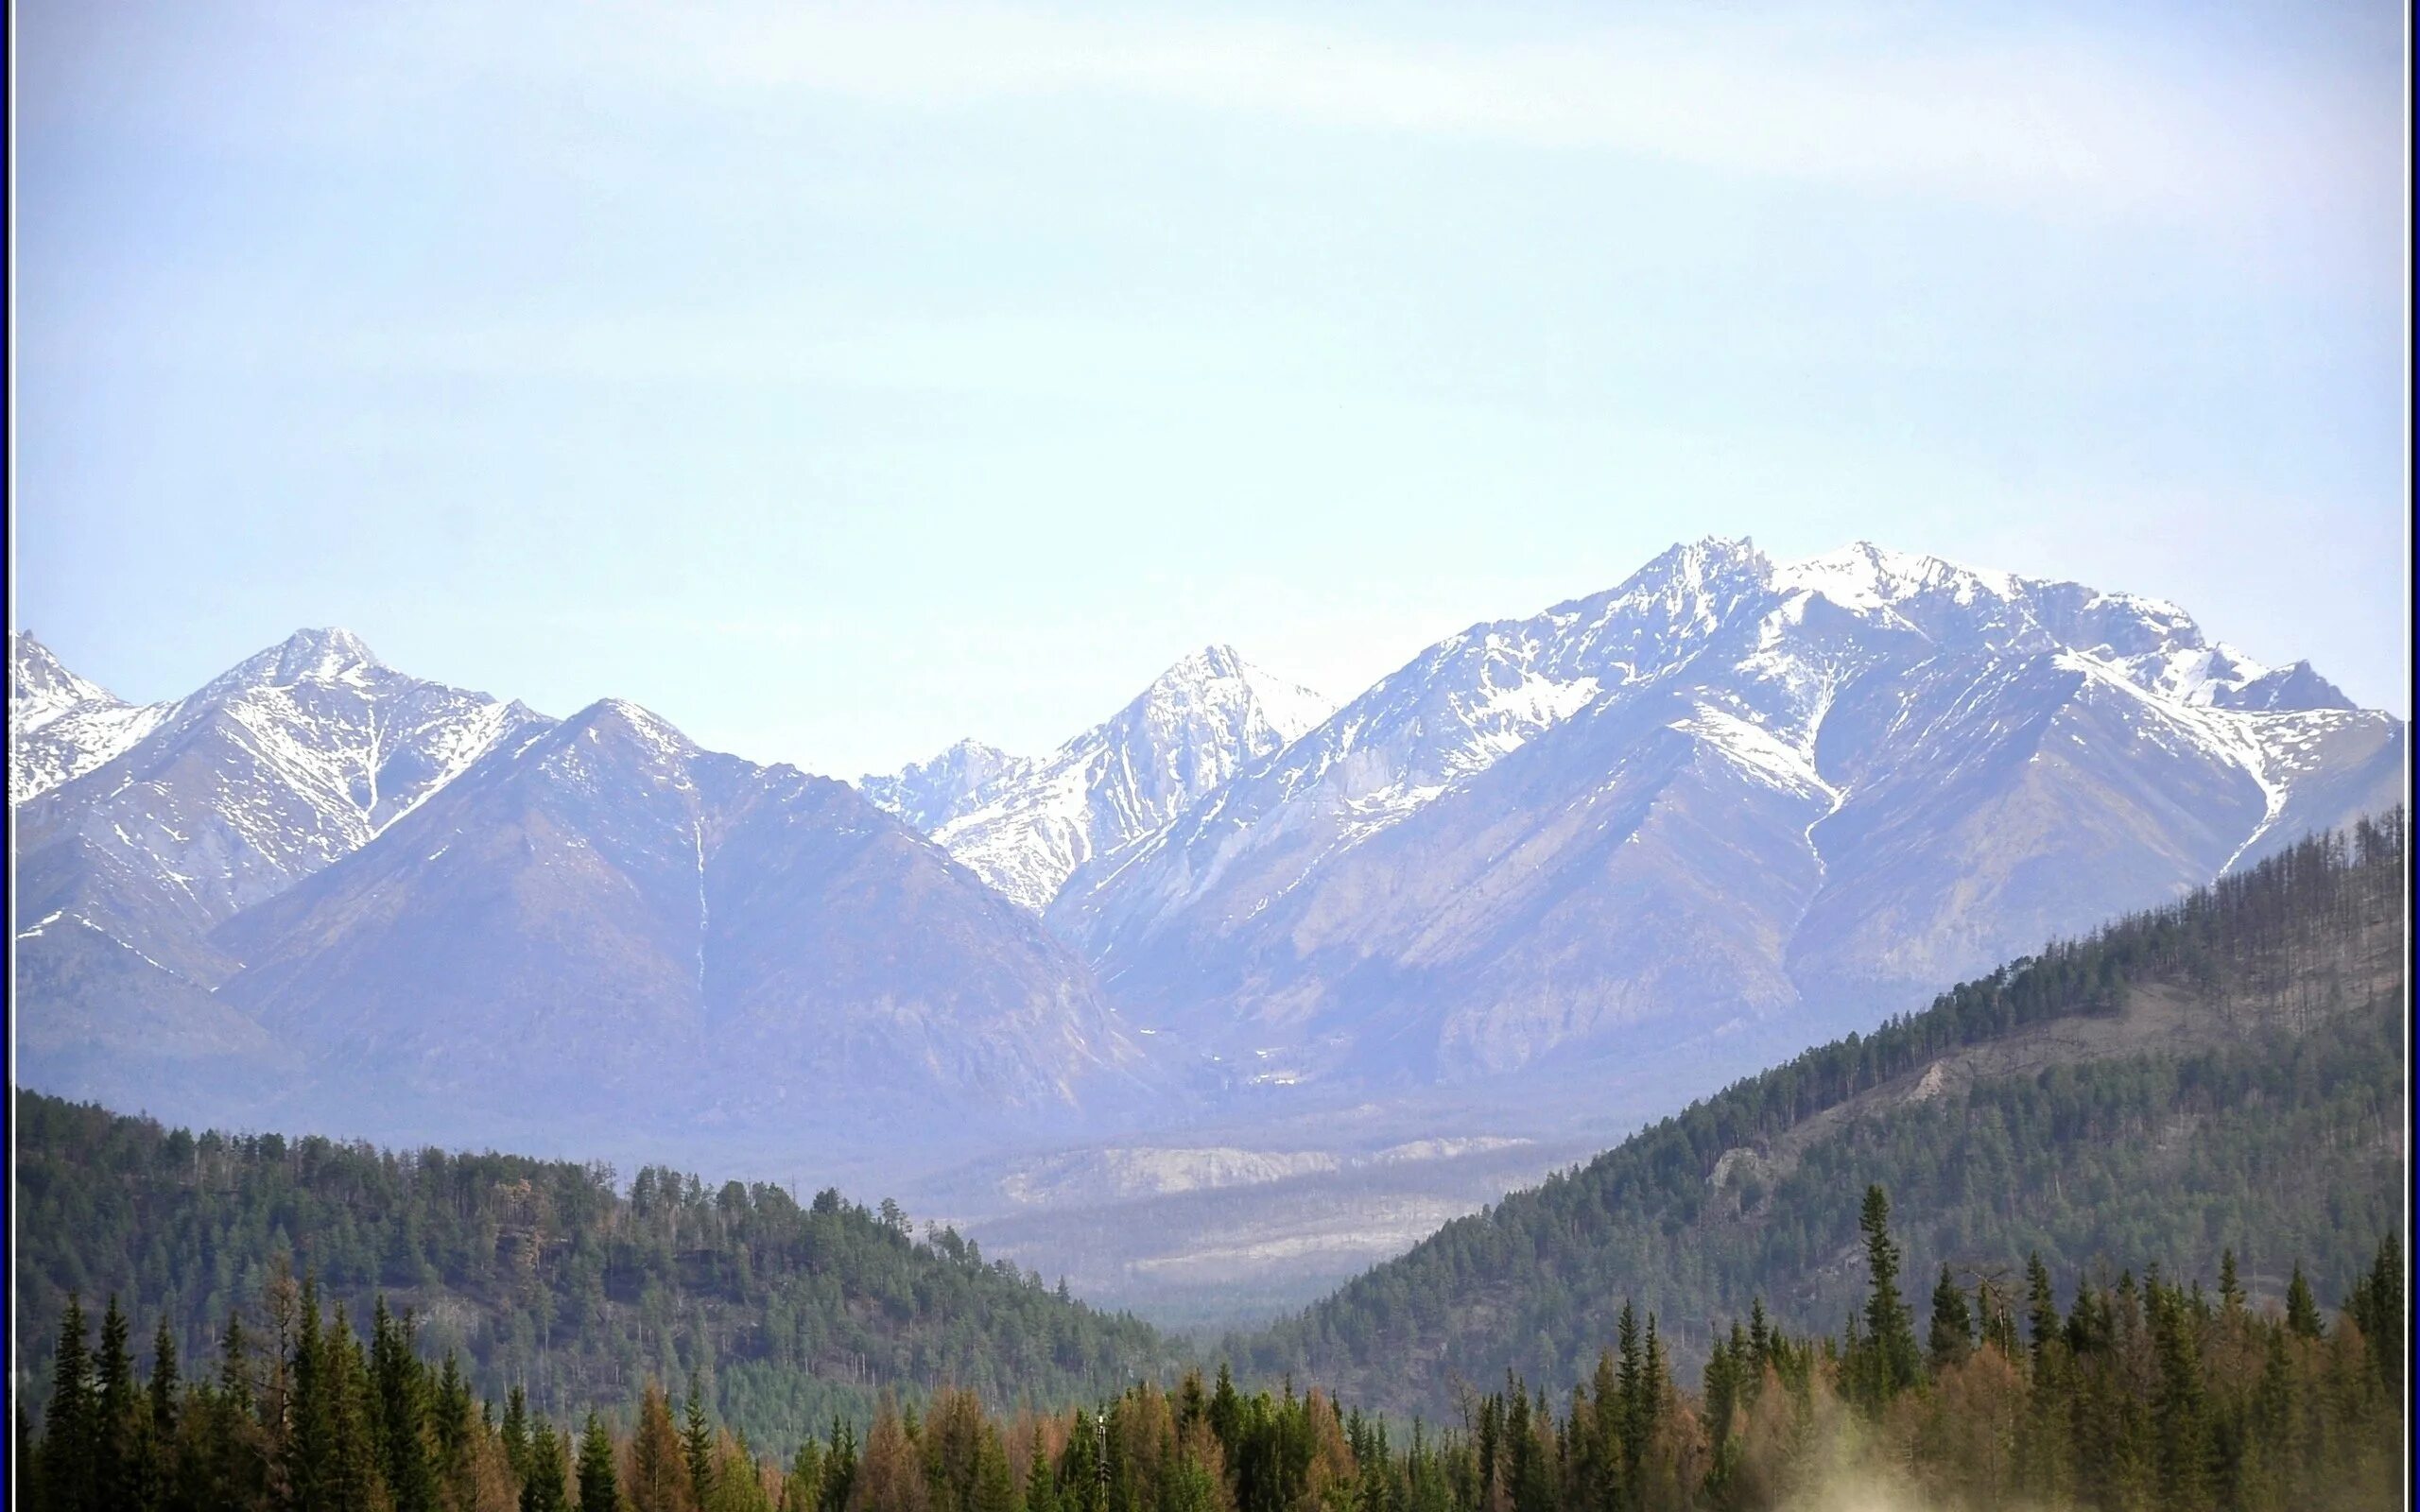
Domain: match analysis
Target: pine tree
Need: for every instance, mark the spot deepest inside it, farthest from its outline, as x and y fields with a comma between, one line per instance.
x=2230, y=1285
x=1952, y=1333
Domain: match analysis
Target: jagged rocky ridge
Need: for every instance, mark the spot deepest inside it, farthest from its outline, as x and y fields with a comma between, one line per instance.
x=1026, y=825
x=1730, y=804
x=319, y=884
x=1728, y=797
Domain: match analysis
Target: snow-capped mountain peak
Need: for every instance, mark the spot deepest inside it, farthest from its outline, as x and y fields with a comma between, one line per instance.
x=1905, y=761
x=1025, y=825
x=306, y=656
x=62, y=726
x=928, y=794
x=1864, y=578
x=41, y=688
x=291, y=759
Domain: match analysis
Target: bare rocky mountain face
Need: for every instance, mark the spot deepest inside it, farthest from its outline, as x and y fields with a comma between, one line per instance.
x=321, y=890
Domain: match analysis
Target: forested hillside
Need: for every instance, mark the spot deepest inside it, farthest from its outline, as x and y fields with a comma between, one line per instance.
x=2226, y=1073
x=2138, y=1395
x=544, y=1273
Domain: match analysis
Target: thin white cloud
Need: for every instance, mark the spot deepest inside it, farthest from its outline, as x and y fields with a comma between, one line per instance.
x=2012, y=106
x=1843, y=96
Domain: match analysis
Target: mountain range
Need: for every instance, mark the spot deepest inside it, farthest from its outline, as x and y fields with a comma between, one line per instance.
x=1728, y=804
x=1727, y=794
x=321, y=886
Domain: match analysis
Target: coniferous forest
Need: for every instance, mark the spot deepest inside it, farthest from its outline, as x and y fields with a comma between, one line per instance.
x=545, y=1275
x=2141, y=1392
x=2261, y=1112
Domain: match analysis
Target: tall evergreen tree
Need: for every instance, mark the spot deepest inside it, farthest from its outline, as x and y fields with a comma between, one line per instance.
x=697, y=1443
x=515, y=1433
x=1890, y=1342
x=351, y=1473
x=308, y=1444
x=115, y=1453
x=68, y=1450
x=2041, y=1305
x=164, y=1385
x=2302, y=1309
x=1041, y=1490
x=598, y=1490
x=542, y=1489
x=398, y=1382
x=1952, y=1332
x=2177, y=1409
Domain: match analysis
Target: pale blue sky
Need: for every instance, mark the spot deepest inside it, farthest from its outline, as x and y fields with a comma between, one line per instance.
x=838, y=381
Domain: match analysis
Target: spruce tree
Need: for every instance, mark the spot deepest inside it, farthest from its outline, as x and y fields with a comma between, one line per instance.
x=352, y=1477
x=1952, y=1333
x=995, y=1486
x=698, y=1443
x=165, y=1384
x=235, y=1366
x=1631, y=1389
x=839, y=1467
x=542, y=1489
x=115, y=1453
x=68, y=1450
x=402, y=1413
x=599, y=1491
x=309, y=1448
x=2377, y=1305
x=1889, y=1338
x=2302, y=1310
x=515, y=1433
x=1040, y=1490
x=2177, y=1407
x=802, y=1488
